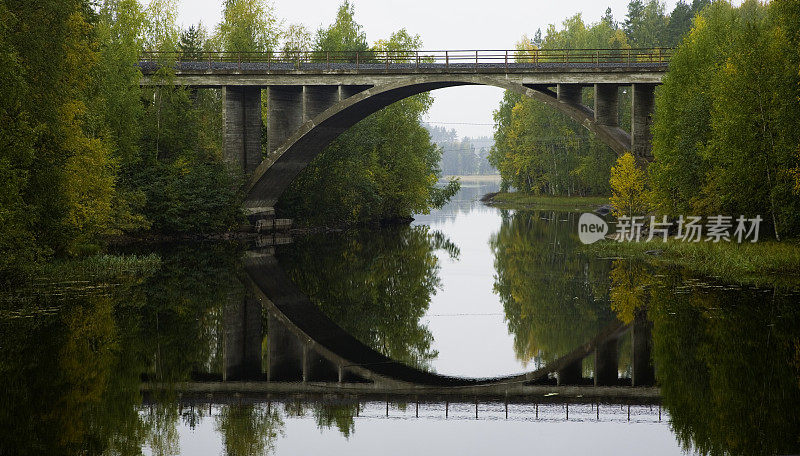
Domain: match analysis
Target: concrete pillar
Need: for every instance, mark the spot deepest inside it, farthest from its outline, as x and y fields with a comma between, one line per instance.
x=318, y=369
x=317, y=99
x=642, y=371
x=642, y=106
x=606, y=363
x=606, y=102
x=569, y=93
x=284, y=114
x=241, y=119
x=241, y=339
x=347, y=91
x=571, y=374
x=285, y=353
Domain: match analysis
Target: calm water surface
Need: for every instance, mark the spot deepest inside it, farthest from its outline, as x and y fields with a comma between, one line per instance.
x=467, y=291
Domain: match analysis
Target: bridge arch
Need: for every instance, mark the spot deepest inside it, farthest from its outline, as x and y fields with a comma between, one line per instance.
x=275, y=173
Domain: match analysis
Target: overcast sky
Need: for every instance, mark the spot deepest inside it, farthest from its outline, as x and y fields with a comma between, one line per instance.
x=442, y=24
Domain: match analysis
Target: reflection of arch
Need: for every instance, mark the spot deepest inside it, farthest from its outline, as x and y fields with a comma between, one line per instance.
x=339, y=356
x=328, y=119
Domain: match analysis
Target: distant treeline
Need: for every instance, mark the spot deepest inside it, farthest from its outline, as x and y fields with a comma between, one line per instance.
x=464, y=156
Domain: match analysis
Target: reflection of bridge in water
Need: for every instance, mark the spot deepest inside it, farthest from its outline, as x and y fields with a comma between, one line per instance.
x=545, y=409
x=307, y=353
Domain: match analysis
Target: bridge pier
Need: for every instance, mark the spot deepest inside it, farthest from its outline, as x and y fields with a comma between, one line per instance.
x=317, y=99
x=347, y=91
x=241, y=339
x=284, y=114
x=241, y=119
x=286, y=353
x=571, y=374
x=642, y=107
x=316, y=368
x=606, y=102
x=642, y=371
x=606, y=363
x=570, y=93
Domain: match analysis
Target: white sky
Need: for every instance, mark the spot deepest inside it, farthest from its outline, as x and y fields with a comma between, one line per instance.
x=442, y=24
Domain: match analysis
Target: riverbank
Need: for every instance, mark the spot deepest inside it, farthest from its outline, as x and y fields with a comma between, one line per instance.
x=515, y=200
x=473, y=177
x=766, y=263
x=85, y=271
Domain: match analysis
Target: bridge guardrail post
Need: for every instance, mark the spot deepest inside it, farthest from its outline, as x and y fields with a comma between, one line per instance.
x=476, y=61
x=327, y=60
x=417, y=54
x=447, y=60
x=506, y=60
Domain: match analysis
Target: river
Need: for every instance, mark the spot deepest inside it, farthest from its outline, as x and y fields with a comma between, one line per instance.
x=403, y=340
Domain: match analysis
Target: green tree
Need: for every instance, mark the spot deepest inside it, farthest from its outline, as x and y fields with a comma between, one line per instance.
x=247, y=26
x=385, y=167
x=385, y=290
x=628, y=187
x=724, y=135
x=549, y=314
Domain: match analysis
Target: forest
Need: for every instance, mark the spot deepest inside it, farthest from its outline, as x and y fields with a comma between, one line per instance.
x=725, y=136
x=541, y=151
x=462, y=156
x=87, y=155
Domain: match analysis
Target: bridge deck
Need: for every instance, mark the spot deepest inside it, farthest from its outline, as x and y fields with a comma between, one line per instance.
x=365, y=391
x=645, y=64
x=222, y=67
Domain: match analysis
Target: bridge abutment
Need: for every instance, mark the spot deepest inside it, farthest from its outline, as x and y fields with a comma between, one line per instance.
x=642, y=107
x=241, y=119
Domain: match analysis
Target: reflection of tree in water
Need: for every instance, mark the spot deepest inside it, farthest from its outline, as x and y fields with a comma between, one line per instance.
x=181, y=319
x=375, y=284
x=60, y=394
x=553, y=298
x=249, y=429
x=724, y=359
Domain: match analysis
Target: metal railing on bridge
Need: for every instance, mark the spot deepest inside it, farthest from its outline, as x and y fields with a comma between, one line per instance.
x=412, y=60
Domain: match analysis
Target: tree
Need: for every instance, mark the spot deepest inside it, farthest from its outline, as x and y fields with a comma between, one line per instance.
x=627, y=187
x=724, y=138
x=540, y=150
x=247, y=26
x=344, y=35
x=191, y=42
x=385, y=166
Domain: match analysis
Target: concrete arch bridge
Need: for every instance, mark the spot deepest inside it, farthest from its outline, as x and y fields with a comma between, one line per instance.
x=313, y=97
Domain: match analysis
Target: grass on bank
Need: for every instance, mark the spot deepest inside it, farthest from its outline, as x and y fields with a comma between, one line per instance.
x=99, y=268
x=516, y=200
x=761, y=263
